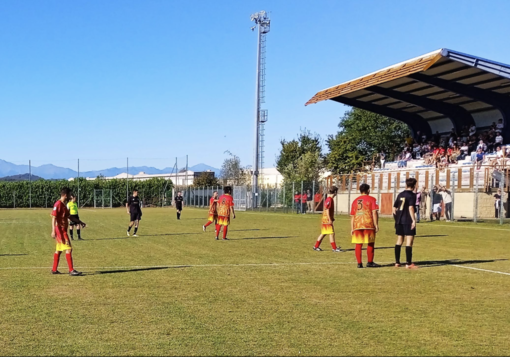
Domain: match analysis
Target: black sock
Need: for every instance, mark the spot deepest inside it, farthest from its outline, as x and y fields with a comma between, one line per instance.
x=129, y=228
x=71, y=233
x=136, y=229
x=178, y=215
x=398, y=249
x=409, y=255
x=79, y=233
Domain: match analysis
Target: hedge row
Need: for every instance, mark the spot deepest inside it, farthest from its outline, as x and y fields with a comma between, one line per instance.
x=44, y=193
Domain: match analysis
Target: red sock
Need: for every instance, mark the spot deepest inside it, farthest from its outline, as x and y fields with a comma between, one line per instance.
x=370, y=252
x=358, y=252
x=318, y=243
x=218, y=227
x=225, y=229
x=208, y=224
x=69, y=258
x=56, y=258
x=333, y=245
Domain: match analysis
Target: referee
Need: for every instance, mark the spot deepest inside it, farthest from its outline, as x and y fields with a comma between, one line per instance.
x=178, y=204
x=135, y=211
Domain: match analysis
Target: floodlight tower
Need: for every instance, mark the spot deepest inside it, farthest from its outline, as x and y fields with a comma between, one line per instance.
x=262, y=22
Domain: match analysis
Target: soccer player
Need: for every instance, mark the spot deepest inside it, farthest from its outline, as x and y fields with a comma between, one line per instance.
x=328, y=217
x=135, y=211
x=365, y=225
x=178, y=204
x=225, y=210
x=405, y=223
x=72, y=206
x=59, y=222
x=213, y=211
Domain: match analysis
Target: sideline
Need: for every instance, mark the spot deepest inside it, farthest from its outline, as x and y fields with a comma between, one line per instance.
x=485, y=270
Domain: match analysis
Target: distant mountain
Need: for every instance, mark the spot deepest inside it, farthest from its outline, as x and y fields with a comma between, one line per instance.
x=24, y=177
x=50, y=171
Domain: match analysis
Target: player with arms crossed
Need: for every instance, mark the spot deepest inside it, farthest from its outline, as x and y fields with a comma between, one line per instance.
x=72, y=206
x=213, y=211
x=328, y=217
x=59, y=223
x=178, y=204
x=365, y=225
x=225, y=210
x=405, y=223
x=135, y=212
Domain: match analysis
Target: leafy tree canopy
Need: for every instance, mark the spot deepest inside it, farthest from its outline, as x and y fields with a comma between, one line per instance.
x=206, y=179
x=233, y=172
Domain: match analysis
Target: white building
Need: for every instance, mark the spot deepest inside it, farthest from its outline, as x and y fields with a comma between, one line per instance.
x=183, y=178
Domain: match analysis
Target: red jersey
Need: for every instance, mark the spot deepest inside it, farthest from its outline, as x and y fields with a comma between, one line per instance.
x=303, y=198
x=224, y=203
x=318, y=197
x=61, y=213
x=435, y=152
x=213, y=206
x=296, y=198
x=329, y=205
x=362, y=208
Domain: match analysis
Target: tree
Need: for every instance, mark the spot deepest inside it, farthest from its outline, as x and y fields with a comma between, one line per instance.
x=232, y=172
x=362, y=135
x=301, y=159
x=206, y=179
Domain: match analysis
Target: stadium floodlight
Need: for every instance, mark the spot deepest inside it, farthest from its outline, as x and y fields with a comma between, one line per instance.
x=263, y=23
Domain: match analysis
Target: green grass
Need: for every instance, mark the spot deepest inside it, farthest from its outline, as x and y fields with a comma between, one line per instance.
x=250, y=295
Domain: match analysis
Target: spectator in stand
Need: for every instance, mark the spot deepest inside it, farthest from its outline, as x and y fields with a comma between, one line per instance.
x=479, y=158
x=498, y=140
x=481, y=146
x=500, y=125
x=453, y=132
x=499, y=152
x=297, y=201
x=417, y=204
x=309, y=201
x=464, y=151
x=303, y=202
x=491, y=143
x=407, y=157
x=416, y=151
x=472, y=130
x=423, y=138
x=447, y=199
x=497, y=203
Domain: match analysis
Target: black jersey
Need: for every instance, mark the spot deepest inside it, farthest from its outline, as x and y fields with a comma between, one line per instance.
x=178, y=201
x=437, y=198
x=405, y=199
x=134, y=204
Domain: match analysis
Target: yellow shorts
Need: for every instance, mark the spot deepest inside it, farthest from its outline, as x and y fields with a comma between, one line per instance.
x=223, y=221
x=62, y=246
x=363, y=236
x=212, y=218
x=327, y=229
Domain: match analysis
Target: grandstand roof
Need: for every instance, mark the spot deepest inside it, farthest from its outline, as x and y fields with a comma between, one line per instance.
x=430, y=89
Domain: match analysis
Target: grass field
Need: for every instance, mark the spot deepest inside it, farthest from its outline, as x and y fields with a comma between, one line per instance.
x=174, y=290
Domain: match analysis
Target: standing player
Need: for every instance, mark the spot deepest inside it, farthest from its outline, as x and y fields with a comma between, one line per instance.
x=364, y=225
x=178, y=204
x=135, y=211
x=213, y=211
x=72, y=206
x=59, y=222
x=405, y=223
x=328, y=217
x=225, y=210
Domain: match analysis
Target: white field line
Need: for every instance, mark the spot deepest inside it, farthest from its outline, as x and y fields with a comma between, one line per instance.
x=484, y=270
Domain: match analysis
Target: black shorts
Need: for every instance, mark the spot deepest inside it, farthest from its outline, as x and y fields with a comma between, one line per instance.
x=136, y=215
x=178, y=207
x=71, y=223
x=405, y=230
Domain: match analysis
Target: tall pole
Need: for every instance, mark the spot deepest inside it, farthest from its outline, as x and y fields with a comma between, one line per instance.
x=187, y=183
x=78, y=198
x=30, y=180
x=127, y=178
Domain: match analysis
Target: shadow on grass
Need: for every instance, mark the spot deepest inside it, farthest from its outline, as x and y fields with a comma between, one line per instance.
x=144, y=236
x=11, y=255
x=352, y=250
x=134, y=270
x=432, y=235
x=266, y=238
x=436, y=263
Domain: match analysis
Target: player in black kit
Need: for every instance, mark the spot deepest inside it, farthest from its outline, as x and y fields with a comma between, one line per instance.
x=178, y=204
x=135, y=211
x=405, y=223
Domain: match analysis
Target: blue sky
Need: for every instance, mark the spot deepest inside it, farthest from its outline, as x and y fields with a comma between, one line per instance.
x=154, y=80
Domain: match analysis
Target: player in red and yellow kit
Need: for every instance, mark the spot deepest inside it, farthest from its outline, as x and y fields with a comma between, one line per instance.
x=364, y=224
x=213, y=211
x=328, y=217
x=225, y=210
x=59, y=223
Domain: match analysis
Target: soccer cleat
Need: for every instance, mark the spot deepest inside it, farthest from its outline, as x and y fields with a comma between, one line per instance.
x=55, y=272
x=217, y=238
x=411, y=266
x=128, y=234
x=80, y=238
x=398, y=265
x=225, y=238
x=317, y=249
x=337, y=250
x=135, y=235
x=360, y=265
x=75, y=273
x=203, y=227
x=373, y=265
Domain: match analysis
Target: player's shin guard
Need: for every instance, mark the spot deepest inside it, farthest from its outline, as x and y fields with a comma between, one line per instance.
x=225, y=229
x=370, y=252
x=208, y=224
x=136, y=230
x=56, y=258
x=409, y=255
x=318, y=243
x=69, y=259
x=129, y=228
x=359, y=248
x=78, y=231
x=398, y=249
x=333, y=245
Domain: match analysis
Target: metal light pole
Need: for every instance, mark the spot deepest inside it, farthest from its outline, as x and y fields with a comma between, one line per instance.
x=262, y=22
